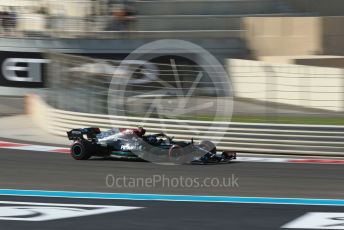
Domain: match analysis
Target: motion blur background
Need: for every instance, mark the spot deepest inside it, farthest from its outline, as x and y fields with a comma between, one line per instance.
x=284, y=60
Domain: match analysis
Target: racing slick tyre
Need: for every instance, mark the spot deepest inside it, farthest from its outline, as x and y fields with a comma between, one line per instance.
x=176, y=154
x=228, y=156
x=209, y=146
x=81, y=150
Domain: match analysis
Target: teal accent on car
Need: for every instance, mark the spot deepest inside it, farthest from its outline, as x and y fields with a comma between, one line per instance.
x=123, y=153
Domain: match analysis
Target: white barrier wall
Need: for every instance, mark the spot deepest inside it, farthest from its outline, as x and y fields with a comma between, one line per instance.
x=306, y=86
x=240, y=137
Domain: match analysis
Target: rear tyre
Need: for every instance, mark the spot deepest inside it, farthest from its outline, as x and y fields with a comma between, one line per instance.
x=209, y=146
x=81, y=150
x=229, y=155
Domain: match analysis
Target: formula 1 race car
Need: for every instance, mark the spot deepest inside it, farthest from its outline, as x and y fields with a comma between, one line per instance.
x=133, y=143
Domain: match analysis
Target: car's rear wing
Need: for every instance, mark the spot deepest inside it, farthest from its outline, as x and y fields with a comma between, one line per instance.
x=78, y=134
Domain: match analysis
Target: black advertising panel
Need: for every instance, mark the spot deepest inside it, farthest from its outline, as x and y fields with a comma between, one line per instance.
x=21, y=69
x=27, y=69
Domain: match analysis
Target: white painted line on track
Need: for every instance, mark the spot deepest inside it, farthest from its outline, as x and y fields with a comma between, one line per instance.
x=30, y=211
x=318, y=220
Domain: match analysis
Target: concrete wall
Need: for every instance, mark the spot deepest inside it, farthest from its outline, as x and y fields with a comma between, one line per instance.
x=276, y=36
x=270, y=36
x=306, y=86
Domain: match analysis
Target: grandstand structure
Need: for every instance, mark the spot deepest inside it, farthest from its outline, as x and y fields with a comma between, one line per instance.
x=301, y=32
x=217, y=25
x=188, y=19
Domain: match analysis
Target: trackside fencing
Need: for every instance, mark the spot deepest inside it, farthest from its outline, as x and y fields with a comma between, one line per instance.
x=242, y=137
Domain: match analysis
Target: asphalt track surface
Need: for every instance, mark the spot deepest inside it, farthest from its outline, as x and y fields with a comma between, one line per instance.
x=32, y=170
x=171, y=215
x=57, y=171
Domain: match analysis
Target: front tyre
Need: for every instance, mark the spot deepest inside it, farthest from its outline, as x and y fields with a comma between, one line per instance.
x=209, y=146
x=81, y=150
x=176, y=154
x=180, y=155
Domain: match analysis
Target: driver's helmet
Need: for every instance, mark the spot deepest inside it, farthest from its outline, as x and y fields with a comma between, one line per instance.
x=140, y=131
x=152, y=139
x=131, y=132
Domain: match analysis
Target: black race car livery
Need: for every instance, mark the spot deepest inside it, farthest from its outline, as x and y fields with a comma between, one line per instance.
x=134, y=143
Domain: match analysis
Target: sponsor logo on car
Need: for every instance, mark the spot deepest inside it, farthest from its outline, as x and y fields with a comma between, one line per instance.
x=131, y=147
